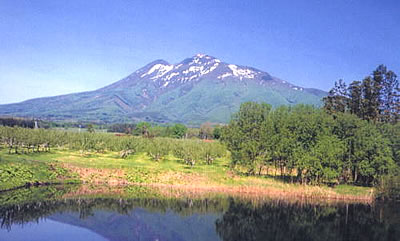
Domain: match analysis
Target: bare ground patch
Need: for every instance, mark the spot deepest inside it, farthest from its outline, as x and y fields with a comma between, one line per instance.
x=110, y=177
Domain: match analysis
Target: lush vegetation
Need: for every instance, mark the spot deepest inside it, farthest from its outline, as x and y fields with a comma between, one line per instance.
x=28, y=172
x=331, y=145
x=22, y=140
x=309, y=145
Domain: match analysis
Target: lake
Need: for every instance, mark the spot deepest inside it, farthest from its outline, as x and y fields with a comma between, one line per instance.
x=139, y=213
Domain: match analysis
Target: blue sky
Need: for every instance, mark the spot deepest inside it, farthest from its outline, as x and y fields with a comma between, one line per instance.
x=57, y=47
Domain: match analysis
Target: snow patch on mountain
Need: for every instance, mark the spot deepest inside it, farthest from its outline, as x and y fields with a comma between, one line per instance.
x=212, y=68
x=162, y=71
x=159, y=70
x=193, y=69
x=170, y=76
x=224, y=75
x=238, y=72
x=154, y=68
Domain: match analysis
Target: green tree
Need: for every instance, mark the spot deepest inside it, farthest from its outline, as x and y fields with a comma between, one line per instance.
x=372, y=155
x=244, y=133
x=178, y=130
x=142, y=128
x=90, y=128
x=157, y=148
x=279, y=139
x=217, y=132
x=356, y=99
x=390, y=97
x=392, y=133
x=337, y=99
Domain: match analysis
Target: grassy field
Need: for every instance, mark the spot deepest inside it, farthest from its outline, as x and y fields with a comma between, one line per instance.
x=64, y=166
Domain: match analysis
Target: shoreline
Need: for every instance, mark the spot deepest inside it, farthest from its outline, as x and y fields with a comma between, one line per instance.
x=181, y=190
x=259, y=192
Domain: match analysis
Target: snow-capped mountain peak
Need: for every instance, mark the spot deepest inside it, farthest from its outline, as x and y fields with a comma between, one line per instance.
x=191, y=69
x=200, y=67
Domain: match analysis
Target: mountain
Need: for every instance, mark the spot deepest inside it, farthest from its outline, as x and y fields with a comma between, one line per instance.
x=198, y=89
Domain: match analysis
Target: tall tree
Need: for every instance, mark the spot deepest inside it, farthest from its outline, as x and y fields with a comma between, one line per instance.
x=376, y=98
x=355, y=99
x=369, y=104
x=378, y=80
x=390, y=97
x=337, y=99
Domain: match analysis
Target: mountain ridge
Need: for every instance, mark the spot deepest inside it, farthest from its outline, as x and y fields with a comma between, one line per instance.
x=197, y=89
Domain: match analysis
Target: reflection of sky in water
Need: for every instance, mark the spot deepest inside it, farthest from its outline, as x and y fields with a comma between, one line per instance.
x=48, y=230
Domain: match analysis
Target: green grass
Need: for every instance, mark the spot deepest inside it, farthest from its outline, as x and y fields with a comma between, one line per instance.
x=65, y=165
x=352, y=190
x=16, y=171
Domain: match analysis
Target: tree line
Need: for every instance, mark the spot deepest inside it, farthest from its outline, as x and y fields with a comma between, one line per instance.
x=23, y=122
x=310, y=146
x=376, y=98
x=333, y=145
x=206, y=130
x=146, y=129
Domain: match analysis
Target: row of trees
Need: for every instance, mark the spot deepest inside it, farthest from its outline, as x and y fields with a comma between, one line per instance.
x=146, y=129
x=22, y=140
x=23, y=122
x=310, y=145
x=375, y=98
x=355, y=138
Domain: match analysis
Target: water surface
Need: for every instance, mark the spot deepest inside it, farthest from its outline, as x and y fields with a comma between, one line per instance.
x=54, y=214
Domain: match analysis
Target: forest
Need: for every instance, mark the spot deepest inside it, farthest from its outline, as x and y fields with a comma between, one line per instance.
x=310, y=146
x=354, y=138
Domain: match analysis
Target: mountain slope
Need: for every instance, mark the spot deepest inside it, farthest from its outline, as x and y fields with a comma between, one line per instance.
x=198, y=89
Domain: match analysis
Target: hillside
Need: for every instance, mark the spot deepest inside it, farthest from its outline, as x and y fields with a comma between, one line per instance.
x=198, y=89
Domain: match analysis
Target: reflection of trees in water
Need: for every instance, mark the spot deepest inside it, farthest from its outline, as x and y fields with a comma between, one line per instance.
x=241, y=220
x=35, y=210
x=281, y=221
